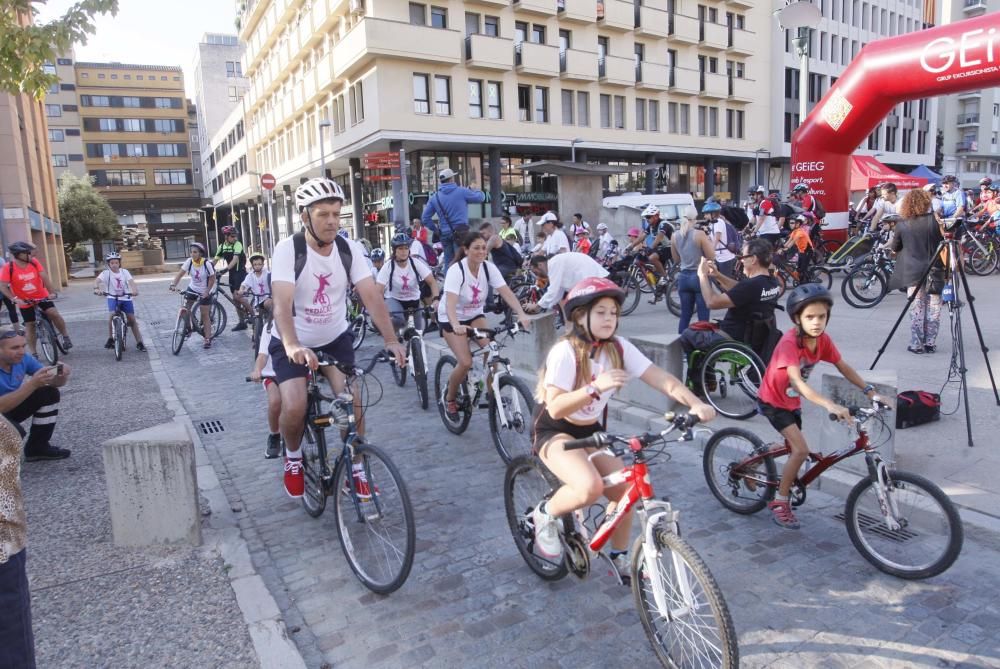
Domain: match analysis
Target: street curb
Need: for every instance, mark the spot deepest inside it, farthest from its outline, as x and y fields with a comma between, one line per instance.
x=261, y=612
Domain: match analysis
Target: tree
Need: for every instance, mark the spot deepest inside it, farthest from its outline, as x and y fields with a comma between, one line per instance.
x=84, y=213
x=26, y=47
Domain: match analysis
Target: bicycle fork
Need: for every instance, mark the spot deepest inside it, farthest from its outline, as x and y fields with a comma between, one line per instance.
x=882, y=484
x=666, y=517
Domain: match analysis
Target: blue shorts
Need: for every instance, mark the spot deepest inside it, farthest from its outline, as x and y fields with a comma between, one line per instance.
x=127, y=306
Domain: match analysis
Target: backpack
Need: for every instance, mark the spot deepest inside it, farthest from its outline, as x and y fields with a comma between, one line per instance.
x=734, y=240
x=782, y=209
x=595, y=248
x=818, y=211
x=430, y=254
x=511, y=253
x=916, y=407
x=737, y=216
x=343, y=248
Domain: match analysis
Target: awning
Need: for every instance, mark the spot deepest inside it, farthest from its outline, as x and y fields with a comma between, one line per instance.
x=927, y=173
x=866, y=172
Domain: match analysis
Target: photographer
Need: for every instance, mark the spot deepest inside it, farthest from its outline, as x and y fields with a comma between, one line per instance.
x=27, y=389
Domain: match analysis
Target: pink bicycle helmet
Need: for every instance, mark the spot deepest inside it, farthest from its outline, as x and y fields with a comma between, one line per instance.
x=634, y=232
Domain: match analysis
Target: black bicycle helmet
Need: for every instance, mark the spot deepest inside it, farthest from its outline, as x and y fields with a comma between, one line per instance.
x=20, y=247
x=398, y=240
x=804, y=295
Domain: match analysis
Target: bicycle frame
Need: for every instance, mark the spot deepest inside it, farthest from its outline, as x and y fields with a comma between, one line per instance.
x=493, y=359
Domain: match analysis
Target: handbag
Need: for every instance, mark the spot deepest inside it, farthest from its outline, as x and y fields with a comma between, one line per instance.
x=935, y=281
x=916, y=407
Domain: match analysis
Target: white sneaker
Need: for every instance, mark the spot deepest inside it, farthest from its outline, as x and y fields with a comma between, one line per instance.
x=546, y=533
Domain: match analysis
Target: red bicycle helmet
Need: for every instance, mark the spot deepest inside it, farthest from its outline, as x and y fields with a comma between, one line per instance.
x=590, y=290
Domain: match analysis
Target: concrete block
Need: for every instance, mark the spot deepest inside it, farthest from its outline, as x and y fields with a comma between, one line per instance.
x=666, y=353
x=152, y=487
x=527, y=352
x=834, y=436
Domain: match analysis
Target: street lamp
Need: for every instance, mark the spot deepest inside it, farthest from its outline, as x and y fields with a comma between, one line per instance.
x=756, y=169
x=572, y=148
x=324, y=123
x=802, y=16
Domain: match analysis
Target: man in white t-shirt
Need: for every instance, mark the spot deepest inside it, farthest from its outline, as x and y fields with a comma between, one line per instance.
x=310, y=313
x=725, y=260
x=526, y=229
x=563, y=272
x=555, y=239
x=118, y=285
x=885, y=206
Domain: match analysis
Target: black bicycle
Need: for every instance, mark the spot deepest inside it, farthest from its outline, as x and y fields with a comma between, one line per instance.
x=45, y=332
x=416, y=353
x=261, y=320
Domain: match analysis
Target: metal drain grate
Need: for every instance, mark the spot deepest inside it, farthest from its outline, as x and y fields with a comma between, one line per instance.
x=211, y=427
x=876, y=525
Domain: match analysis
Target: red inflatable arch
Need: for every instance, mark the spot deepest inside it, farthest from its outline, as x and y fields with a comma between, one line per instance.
x=951, y=58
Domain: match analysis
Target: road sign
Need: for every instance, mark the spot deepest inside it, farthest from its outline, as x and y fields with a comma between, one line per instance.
x=381, y=161
x=267, y=181
x=382, y=177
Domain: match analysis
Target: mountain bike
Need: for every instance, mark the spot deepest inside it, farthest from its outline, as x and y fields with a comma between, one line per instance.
x=357, y=316
x=186, y=323
x=867, y=283
x=45, y=333
x=119, y=324
x=490, y=384
x=215, y=311
x=900, y=522
x=373, y=512
x=681, y=607
x=416, y=354
x=261, y=320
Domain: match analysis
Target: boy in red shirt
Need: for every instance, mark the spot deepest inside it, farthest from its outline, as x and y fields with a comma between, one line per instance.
x=809, y=306
x=582, y=242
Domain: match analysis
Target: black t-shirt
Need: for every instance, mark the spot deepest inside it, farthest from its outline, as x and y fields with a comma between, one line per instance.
x=753, y=299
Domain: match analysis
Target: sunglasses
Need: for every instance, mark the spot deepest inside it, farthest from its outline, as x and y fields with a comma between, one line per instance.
x=633, y=236
x=9, y=334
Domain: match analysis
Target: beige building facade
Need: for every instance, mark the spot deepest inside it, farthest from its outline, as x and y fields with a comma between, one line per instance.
x=62, y=107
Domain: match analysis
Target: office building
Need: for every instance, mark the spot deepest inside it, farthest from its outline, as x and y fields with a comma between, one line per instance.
x=63, y=111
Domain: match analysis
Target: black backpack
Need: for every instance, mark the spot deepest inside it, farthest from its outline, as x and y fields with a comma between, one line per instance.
x=916, y=407
x=818, y=210
x=343, y=248
x=737, y=216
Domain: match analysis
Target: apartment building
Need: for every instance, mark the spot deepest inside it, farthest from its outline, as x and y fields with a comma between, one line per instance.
x=63, y=111
x=907, y=136
x=136, y=147
x=971, y=120
x=484, y=87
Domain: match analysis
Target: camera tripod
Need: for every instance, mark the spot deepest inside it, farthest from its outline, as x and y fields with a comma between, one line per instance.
x=955, y=278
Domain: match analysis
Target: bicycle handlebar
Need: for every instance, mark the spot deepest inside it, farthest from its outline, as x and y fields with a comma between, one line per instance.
x=863, y=412
x=381, y=356
x=492, y=333
x=118, y=296
x=603, y=440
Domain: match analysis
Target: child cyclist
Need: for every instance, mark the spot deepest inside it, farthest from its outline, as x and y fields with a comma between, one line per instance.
x=117, y=283
x=809, y=306
x=263, y=372
x=199, y=289
x=582, y=372
x=257, y=285
x=800, y=240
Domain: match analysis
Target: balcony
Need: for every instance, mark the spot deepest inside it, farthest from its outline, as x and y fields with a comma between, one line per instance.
x=539, y=59
x=741, y=4
x=740, y=90
x=652, y=19
x=495, y=3
x=577, y=65
x=616, y=71
x=541, y=7
x=741, y=42
x=488, y=53
x=616, y=15
x=967, y=146
x=685, y=29
x=968, y=119
x=969, y=95
x=652, y=76
x=714, y=36
x=714, y=86
x=372, y=38
x=684, y=81
x=581, y=11
x=973, y=6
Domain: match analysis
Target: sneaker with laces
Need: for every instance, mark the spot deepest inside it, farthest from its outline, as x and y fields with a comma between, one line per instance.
x=110, y=343
x=67, y=344
x=273, y=446
x=207, y=344
x=361, y=485
x=242, y=325
x=781, y=514
x=295, y=482
x=546, y=533
x=140, y=347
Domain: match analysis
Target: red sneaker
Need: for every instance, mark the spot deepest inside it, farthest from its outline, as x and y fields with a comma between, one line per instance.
x=295, y=483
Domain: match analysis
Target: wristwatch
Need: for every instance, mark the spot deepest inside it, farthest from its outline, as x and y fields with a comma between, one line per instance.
x=594, y=393
x=868, y=389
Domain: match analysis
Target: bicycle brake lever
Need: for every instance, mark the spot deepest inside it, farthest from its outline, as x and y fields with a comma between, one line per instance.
x=604, y=451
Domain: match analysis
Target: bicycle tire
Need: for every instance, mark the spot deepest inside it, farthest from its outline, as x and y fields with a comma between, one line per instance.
x=462, y=396
x=419, y=373
x=632, y=294
x=520, y=413
x=669, y=632
x=46, y=336
x=365, y=522
x=118, y=331
x=258, y=333
x=730, y=375
x=863, y=287
x=983, y=261
x=723, y=453
x=526, y=483
x=358, y=331
x=313, y=447
x=859, y=521
x=180, y=333
x=398, y=373
x=822, y=276
x=673, y=296
x=643, y=282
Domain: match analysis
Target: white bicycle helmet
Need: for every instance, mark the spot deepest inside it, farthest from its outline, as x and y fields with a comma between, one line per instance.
x=114, y=255
x=650, y=211
x=601, y=227
x=315, y=190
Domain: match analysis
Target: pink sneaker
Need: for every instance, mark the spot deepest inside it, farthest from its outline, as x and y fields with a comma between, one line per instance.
x=781, y=514
x=295, y=483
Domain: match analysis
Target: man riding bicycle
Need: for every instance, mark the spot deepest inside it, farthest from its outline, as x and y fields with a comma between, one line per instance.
x=231, y=251
x=311, y=275
x=24, y=281
x=118, y=285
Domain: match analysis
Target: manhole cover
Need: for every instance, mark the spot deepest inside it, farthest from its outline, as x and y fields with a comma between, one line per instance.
x=211, y=427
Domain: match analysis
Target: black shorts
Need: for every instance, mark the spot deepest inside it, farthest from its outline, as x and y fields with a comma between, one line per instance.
x=192, y=296
x=28, y=313
x=780, y=418
x=236, y=279
x=446, y=325
x=547, y=427
x=340, y=349
x=663, y=253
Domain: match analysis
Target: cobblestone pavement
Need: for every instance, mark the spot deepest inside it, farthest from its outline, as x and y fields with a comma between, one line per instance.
x=798, y=599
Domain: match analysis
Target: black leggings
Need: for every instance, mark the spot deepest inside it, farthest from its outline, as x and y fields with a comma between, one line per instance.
x=12, y=310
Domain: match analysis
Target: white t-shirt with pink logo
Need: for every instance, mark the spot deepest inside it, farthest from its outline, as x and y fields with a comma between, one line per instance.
x=405, y=280
x=259, y=286
x=472, y=292
x=116, y=283
x=560, y=371
x=199, y=275
x=321, y=291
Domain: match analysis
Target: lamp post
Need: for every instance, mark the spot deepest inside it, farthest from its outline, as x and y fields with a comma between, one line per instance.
x=572, y=148
x=756, y=168
x=801, y=16
x=324, y=123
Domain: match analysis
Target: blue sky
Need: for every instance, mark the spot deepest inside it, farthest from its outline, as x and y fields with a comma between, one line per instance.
x=151, y=33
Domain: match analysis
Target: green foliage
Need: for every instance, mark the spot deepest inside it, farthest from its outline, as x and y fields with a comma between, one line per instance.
x=25, y=49
x=84, y=213
x=80, y=254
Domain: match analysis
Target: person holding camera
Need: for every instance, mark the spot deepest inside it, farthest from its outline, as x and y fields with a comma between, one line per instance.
x=30, y=390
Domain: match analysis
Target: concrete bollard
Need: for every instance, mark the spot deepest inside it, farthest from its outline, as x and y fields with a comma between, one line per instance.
x=834, y=436
x=152, y=487
x=527, y=352
x=666, y=353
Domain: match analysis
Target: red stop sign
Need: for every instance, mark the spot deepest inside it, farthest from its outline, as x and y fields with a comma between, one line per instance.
x=267, y=181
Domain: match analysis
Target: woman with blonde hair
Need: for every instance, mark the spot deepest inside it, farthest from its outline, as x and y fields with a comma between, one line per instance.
x=688, y=246
x=915, y=243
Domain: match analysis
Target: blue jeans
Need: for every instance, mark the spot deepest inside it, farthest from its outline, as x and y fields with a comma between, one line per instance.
x=17, y=642
x=690, y=294
x=450, y=247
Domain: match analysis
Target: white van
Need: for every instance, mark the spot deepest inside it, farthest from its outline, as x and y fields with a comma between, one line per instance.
x=669, y=204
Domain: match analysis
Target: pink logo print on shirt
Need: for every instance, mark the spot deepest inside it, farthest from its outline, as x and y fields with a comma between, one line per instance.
x=320, y=296
x=475, y=293
x=196, y=275
x=406, y=283
x=118, y=283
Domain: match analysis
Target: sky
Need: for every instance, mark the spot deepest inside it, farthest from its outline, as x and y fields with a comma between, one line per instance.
x=151, y=33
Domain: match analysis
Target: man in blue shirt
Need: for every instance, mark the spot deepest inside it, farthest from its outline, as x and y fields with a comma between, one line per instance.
x=28, y=389
x=952, y=198
x=451, y=205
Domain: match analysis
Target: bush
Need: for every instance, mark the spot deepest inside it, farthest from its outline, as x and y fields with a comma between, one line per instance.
x=80, y=254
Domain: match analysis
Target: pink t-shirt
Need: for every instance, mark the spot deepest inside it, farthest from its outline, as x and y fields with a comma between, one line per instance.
x=776, y=389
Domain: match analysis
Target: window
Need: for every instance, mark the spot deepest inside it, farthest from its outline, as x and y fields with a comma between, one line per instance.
x=53, y=89
x=439, y=17
x=165, y=125
x=234, y=69
x=541, y=104
x=524, y=103
x=114, y=76
x=583, y=109
x=59, y=160
x=110, y=150
x=538, y=34
x=53, y=110
x=640, y=114
x=567, y=107
x=163, y=103
x=127, y=76
x=72, y=132
x=357, y=102
x=86, y=75
x=494, y=99
x=170, y=177
x=233, y=93
x=653, y=115
x=734, y=124
x=442, y=95
x=56, y=135
x=107, y=124
x=421, y=94
x=491, y=26
x=170, y=150
x=136, y=150
x=418, y=14
x=130, y=101
x=475, y=98
x=702, y=120
x=64, y=61
x=70, y=108
x=100, y=75
x=605, y=101
x=791, y=123
x=685, y=119
x=620, y=112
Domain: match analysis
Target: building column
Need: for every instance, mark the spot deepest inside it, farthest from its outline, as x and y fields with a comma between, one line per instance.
x=400, y=209
x=650, y=186
x=581, y=155
x=289, y=221
x=354, y=165
x=496, y=191
x=709, y=177
x=253, y=220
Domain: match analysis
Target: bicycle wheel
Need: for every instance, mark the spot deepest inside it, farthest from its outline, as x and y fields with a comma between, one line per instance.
x=983, y=260
x=863, y=287
x=180, y=333
x=691, y=625
x=313, y=447
x=673, y=296
x=822, y=276
x=627, y=283
x=374, y=520
x=398, y=373
x=931, y=535
x=258, y=332
x=419, y=372
x=446, y=364
x=219, y=318
x=118, y=330
x=526, y=483
x=518, y=407
x=358, y=330
x=731, y=374
x=46, y=336
x=739, y=489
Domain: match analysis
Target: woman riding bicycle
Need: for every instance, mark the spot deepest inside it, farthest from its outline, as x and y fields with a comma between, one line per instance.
x=581, y=373
x=402, y=280
x=466, y=286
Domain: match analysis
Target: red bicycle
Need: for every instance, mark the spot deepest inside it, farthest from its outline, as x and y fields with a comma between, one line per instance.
x=900, y=522
x=680, y=604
